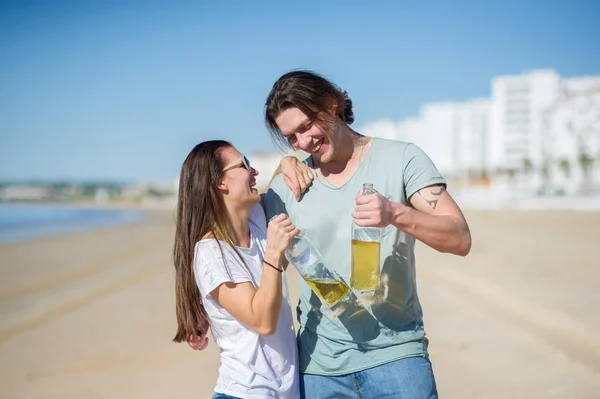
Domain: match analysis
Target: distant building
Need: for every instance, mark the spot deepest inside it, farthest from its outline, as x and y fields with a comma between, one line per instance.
x=25, y=193
x=439, y=135
x=572, y=142
x=538, y=130
x=388, y=129
x=473, y=138
x=516, y=131
x=101, y=197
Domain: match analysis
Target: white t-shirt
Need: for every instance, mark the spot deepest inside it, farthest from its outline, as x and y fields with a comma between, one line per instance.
x=252, y=366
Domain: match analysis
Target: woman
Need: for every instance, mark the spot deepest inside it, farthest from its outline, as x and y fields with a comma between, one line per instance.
x=229, y=273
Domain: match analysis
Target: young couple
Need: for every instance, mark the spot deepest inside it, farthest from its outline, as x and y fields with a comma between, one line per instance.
x=230, y=267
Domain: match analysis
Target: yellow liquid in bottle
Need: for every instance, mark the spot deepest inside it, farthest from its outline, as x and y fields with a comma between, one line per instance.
x=330, y=291
x=365, y=265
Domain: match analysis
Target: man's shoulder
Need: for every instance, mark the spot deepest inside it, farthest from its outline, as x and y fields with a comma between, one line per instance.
x=278, y=185
x=277, y=196
x=392, y=149
x=392, y=145
x=257, y=215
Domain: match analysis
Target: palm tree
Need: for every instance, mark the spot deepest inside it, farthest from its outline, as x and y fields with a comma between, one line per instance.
x=586, y=162
x=527, y=166
x=565, y=167
x=511, y=173
x=484, y=176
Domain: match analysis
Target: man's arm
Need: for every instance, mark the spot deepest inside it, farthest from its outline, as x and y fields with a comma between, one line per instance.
x=435, y=219
x=296, y=175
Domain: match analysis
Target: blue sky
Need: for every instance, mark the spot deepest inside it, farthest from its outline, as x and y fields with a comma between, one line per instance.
x=123, y=90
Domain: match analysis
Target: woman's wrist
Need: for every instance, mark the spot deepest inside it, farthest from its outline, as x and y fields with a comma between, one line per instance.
x=273, y=259
x=272, y=266
x=273, y=256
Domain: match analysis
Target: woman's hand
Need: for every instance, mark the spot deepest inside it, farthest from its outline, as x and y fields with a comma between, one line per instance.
x=280, y=232
x=199, y=342
x=296, y=175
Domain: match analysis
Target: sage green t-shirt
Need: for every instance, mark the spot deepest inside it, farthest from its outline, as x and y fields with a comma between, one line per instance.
x=357, y=339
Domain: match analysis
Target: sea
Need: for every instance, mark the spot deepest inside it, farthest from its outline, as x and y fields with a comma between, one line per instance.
x=19, y=222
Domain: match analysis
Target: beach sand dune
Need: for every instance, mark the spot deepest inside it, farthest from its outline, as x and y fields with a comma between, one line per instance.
x=91, y=315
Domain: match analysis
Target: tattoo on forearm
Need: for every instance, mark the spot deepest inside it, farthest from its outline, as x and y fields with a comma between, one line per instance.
x=433, y=202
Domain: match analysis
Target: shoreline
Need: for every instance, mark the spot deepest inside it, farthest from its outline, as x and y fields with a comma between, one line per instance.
x=115, y=216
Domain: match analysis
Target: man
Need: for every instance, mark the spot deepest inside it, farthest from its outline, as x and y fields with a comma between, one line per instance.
x=383, y=352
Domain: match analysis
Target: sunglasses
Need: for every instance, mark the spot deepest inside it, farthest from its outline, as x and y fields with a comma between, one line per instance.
x=245, y=164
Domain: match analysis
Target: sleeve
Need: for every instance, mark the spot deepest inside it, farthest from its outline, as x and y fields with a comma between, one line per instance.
x=213, y=267
x=257, y=216
x=274, y=198
x=419, y=170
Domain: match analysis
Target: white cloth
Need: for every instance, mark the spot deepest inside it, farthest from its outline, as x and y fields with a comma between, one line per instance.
x=252, y=366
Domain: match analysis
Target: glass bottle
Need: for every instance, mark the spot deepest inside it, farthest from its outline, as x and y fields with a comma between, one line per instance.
x=328, y=286
x=366, y=246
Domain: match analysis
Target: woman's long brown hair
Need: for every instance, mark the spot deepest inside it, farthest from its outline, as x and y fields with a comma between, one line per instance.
x=200, y=209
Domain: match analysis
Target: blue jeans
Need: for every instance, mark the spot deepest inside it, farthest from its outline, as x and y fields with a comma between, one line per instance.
x=223, y=396
x=408, y=378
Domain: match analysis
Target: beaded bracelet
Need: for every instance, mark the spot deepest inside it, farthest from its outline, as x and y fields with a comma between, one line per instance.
x=276, y=268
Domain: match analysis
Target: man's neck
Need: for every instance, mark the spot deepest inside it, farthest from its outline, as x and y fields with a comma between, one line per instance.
x=349, y=154
x=349, y=142
x=348, y=149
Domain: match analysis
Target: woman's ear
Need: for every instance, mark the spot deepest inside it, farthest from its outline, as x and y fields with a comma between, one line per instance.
x=222, y=186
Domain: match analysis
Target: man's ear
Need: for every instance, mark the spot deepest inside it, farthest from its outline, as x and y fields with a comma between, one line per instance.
x=331, y=106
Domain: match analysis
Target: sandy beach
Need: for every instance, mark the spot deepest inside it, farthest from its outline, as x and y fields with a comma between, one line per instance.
x=91, y=315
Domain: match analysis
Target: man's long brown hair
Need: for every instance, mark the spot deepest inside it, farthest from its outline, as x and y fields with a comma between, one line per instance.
x=201, y=212
x=308, y=92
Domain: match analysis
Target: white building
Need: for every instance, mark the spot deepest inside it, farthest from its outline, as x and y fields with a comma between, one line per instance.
x=516, y=131
x=573, y=136
x=439, y=137
x=385, y=129
x=25, y=193
x=472, y=138
x=410, y=130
